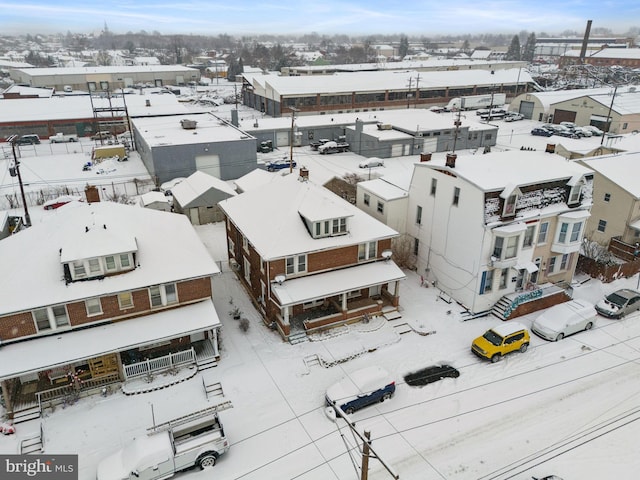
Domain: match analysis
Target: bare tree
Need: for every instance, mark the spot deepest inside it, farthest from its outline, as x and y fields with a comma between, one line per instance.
x=402, y=248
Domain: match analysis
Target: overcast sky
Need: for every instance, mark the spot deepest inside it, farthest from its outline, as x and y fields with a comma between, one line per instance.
x=353, y=18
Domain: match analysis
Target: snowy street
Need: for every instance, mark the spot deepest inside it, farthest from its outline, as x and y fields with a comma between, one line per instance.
x=567, y=408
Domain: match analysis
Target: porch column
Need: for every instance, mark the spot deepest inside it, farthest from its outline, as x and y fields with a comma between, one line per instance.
x=396, y=288
x=5, y=395
x=285, y=315
x=344, y=302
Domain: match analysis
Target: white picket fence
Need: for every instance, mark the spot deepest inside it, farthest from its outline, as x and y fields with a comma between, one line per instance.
x=159, y=364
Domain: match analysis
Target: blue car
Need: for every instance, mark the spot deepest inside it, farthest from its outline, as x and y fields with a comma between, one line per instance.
x=360, y=389
x=279, y=165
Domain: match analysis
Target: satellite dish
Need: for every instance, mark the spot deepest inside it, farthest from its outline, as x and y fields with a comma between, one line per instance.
x=280, y=279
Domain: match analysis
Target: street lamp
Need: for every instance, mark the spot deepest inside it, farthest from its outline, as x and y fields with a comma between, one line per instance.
x=15, y=171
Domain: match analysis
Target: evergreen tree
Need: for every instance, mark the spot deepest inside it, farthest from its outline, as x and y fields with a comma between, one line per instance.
x=404, y=46
x=529, y=48
x=514, y=49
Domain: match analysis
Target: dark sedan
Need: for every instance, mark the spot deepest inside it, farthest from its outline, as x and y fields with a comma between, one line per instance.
x=541, y=132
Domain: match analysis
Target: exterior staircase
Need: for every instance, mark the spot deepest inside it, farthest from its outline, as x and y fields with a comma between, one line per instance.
x=501, y=307
x=33, y=444
x=394, y=319
x=298, y=337
x=26, y=414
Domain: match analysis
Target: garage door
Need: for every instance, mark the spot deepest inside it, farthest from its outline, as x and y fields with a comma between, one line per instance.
x=564, y=116
x=526, y=109
x=282, y=139
x=209, y=164
x=396, y=150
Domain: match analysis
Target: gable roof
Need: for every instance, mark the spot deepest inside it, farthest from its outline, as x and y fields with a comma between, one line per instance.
x=270, y=217
x=197, y=184
x=169, y=250
x=622, y=169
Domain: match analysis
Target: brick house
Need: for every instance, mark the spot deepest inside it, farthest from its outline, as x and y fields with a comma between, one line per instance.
x=101, y=293
x=499, y=232
x=309, y=259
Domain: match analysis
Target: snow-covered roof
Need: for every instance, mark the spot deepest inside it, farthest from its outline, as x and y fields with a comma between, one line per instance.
x=196, y=184
x=324, y=285
x=549, y=98
x=381, y=188
x=79, y=106
x=98, y=240
x=26, y=91
x=494, y=170
x=380, y=81
x=153, y=197
x=68, y=347
x=57, y=72
x=168, y=250
x=163, y=131
x=622, y=169
x=626, y=101
x=269, y=216
x=620, y=53
x=255, y=178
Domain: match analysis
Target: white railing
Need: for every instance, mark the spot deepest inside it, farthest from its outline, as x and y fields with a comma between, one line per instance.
x=159, y=364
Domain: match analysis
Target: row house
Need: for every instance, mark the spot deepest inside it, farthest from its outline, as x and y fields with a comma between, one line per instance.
x=98, y=294
x=502, y=231
x=309, y=259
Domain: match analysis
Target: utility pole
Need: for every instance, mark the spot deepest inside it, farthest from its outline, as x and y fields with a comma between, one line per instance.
x=293, y=116
x=415, y=105
x=15, y=171
x=364, y=472
x=409, y=93
x=613, y=97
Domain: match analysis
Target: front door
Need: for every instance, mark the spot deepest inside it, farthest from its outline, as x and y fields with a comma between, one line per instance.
x=520, y=279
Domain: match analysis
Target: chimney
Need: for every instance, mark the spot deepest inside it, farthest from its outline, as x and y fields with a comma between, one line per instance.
x=425, y=157
x=551, y=148
x=91, y=193
x=147, y=102
x=304, y=174
x=451, y=160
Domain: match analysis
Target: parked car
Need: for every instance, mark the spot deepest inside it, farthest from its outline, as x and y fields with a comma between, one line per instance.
x=619, y=303
x=583, y=132
x=594, y=130
x=569, y=125
x=60, y=201
x=564, y=319
x=498, y=341
x=565, y=132
x=541, y=132
x=280, y=165
x=513, y=117
x=31, y=139
x=371, y=162
x=360, y=389
x=101, y=135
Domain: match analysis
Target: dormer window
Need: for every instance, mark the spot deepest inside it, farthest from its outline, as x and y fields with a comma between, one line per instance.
x=78, y=270
x=339, y=226
x=574, y=194
x=510, y=195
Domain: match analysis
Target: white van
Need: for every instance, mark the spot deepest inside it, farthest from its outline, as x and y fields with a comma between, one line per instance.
x=565, y=319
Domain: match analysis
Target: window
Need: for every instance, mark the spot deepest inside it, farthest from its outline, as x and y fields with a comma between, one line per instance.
x=528, y=236
x=575, y=232
x=487, y=284
x=504, y=276
x=456, y=196
x=625, y=125
x=380, y=207
x=564, y=261
x=245, y=244
x=247, y=269
x=339, y=225
x=571, y=231
x=125, y=300
x=419, y=215
x=506, y=248
x=416, y=246
x=510, y=205
x=162, y=295
x=110, y=262
x=125, y=260
x=367, y=251
x=574, y=194
x=60, y=315
x=232, y=248
x=93, y=306
x=78, y=270
x=607, y=197
x=497, y=248
x=94, y=266
x=562, y=236
x=296, y=264
x=41, y=318
x=367, y=199
x=602, y=225
x=552, y=265
x=542, y=233
x=434, y=184
x=512, y=247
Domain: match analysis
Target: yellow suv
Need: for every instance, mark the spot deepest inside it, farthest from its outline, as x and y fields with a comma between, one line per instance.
x=498, y=341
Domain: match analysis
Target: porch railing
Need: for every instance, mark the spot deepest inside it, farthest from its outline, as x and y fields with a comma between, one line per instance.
x=58, y=393
x=167, y=362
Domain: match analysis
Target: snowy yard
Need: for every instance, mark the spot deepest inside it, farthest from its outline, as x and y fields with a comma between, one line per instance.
x=567, y=408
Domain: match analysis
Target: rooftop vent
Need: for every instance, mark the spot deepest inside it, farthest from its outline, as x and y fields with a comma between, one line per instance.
x=188, y=124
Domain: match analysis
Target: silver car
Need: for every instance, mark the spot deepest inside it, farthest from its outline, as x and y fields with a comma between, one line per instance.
x=619, y=303
x=564, y=319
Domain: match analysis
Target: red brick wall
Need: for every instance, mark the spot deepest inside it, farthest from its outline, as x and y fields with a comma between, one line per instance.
x=22, y=324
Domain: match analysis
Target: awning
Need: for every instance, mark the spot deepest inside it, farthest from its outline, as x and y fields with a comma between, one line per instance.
x=64, y=348
x=575, y=215
x=599, y=118
x=322, y=285
x=511, y=228
x=528, y=266
x=635, y=225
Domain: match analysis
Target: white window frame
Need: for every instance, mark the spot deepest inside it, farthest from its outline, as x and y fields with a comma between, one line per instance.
x=232, y=248
x=380, y=207
x=565, y=260
x=245, y=244
x=367, y=251
x=79, y=270
x=510, y=203
x=247, y=269
x=507, y=244
x=567, y=234
x=418, y=215
x=339, y=226
x=552, y=265
x=93, y=306
x=95, y=267
x=53, y=323
x=295, y=264
x=366, y=199
x=574, y=194
x=529, y=235
x=106, y=263
x=602, y=225
x=543, y=233
x=125, y=260
x=167, y=294
x=488, y=282
x=127, y=305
